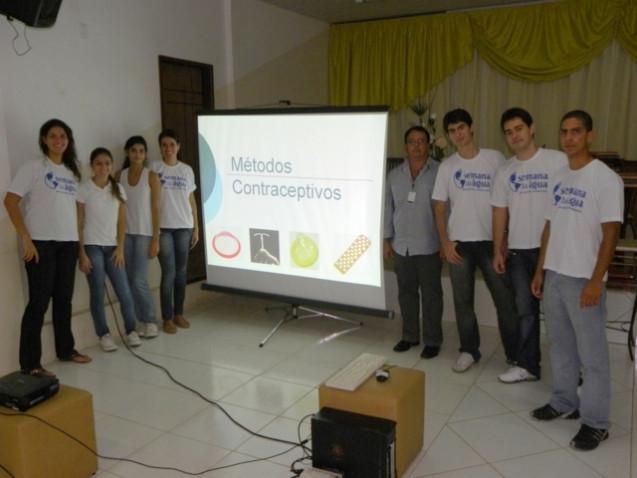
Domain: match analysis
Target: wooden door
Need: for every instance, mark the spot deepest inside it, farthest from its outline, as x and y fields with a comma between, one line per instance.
x=187, y=88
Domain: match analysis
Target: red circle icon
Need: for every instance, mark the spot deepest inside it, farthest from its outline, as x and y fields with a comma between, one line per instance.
x=226, y=249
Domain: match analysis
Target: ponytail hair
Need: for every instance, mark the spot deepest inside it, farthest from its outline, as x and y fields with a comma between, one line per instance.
x=69, y=157
x=117, y=194
x=130, y=142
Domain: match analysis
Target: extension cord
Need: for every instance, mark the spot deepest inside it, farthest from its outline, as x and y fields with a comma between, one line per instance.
x=318, y=473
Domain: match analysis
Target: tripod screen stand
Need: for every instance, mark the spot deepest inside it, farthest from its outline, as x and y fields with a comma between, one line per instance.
x=298, y=312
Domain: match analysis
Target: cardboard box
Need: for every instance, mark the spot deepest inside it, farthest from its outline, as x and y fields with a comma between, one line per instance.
x=31, y=449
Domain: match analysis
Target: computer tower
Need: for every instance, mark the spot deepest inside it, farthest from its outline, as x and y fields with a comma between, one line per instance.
x=359, y=446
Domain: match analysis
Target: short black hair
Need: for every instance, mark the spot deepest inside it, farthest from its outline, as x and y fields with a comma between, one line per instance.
x=581, y=115
x=516, y=112
x=418, y=128
x=456, y=116
x=168, y=133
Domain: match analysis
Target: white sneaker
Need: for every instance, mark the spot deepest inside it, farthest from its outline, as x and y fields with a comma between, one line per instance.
x=151, y=331
x=464, y=362
x=133, y=339
x=517, y=374
x=107, y=343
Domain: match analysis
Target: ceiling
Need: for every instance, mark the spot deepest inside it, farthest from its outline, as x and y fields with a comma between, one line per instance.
x=339, y=11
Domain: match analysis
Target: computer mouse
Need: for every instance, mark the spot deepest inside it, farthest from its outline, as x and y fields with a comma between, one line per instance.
x=382, y=375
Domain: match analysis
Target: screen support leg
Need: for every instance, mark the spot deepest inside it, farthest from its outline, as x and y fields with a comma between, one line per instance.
x=297, y=312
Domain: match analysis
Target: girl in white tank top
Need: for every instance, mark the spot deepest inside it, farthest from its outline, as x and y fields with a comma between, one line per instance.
x=142, y=232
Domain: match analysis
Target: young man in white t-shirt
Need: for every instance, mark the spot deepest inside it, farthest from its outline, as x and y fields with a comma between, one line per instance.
x=578, y=245
x=464, y=183
x=520, y=203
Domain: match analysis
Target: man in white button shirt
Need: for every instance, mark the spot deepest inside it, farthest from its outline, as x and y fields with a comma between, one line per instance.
x=520, y=203
x=412, y=239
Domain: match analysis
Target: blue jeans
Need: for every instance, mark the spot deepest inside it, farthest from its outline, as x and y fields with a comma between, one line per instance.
x=103, y=266
x=420, y=273
x=174, y=245
x=479, y=254
x=578, y=342
x=136, y=255
x=520, y=268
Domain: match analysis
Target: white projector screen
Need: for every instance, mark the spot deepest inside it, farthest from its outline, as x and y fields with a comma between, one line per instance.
x=292, y=203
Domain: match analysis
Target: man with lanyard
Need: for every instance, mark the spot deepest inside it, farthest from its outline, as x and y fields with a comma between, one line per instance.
x=464, y=185
x=411, y=238
x=519, y=204
x=578, y=244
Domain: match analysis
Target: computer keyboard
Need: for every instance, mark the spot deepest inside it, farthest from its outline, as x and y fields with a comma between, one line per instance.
x=356, y=372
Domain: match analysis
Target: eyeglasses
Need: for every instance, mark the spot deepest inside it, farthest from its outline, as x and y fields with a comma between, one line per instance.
x=414, y=142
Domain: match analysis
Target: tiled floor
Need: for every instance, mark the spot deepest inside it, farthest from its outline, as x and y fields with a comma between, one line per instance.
x=475, y=427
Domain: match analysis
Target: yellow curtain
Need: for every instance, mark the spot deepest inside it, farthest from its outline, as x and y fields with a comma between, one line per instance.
x=606, y=88
x=392, y=62
x=395, y=61
x=627, y=28
x=544, y=42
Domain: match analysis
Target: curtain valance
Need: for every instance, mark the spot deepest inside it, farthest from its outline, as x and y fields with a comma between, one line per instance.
x=395, y=61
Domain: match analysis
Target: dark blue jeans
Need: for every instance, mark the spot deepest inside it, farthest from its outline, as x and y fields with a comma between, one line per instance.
x=51, y=278
x=420, y=273
x=520, y=268
x=479, y=254
x=174, y=245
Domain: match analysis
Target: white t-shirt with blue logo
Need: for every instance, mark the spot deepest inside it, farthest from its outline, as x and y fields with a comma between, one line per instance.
x=521, y=187
x=48, y=193
x=581, y=200
x=101, y=212
x=177, y=183
x=466, y=184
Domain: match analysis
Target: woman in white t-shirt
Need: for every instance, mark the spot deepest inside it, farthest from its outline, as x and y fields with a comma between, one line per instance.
x=47, y=226
x=102, y=225
x=142, y=229
x=179, y=229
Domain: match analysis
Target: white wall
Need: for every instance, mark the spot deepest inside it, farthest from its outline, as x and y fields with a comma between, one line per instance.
x=97, y=69
x=11, y=294
x=262, y=32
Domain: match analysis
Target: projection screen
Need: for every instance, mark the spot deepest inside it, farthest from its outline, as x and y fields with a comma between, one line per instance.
x=292, y=203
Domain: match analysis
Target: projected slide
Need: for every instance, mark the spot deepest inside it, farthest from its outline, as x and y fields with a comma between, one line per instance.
x=292, y=201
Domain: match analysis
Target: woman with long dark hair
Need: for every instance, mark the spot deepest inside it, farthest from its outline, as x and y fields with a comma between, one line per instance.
x=101, y=209
x=49, y=239
x=142, y=229
x=179, y=229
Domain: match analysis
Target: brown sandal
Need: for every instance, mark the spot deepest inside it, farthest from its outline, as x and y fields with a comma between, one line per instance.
x=77, y=357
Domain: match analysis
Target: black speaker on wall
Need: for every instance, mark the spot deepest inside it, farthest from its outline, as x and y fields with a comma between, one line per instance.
x=35, y=13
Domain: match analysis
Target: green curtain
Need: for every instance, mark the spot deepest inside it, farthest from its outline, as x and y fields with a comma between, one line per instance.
x=395, y=61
